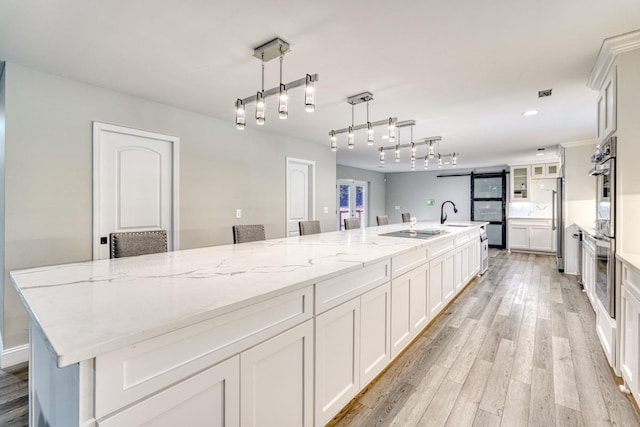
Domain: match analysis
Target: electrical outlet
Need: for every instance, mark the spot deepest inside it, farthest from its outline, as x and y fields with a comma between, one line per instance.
x=238, y=213
x=326, y=209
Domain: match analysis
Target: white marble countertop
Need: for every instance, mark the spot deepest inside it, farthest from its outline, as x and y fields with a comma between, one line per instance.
x=589, y=229
x=631, y=259
x=89, y=308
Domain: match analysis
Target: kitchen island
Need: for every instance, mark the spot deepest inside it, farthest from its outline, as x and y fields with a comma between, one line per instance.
x=278, y=332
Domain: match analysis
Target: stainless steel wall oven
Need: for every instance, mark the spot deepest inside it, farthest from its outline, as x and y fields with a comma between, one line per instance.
x=605, y=172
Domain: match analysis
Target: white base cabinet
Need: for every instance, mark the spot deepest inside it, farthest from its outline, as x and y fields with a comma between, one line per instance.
x=375, y=326
x=276, y=380
x=409, y=307
x=209, y=398
x=589, y=269
x=441, y=282
x=630, y=329
x=536, y=235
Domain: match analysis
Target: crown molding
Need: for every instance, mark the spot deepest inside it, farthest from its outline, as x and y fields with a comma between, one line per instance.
x=579, y=143
x=611, y=47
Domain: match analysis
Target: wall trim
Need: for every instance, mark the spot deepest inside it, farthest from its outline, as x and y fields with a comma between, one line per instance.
x=14, y=356
x=611, y=47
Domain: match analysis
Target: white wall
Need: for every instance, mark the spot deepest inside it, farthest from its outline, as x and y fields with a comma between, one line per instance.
x=580, y=195
x=377, y=191
x=49, y=172
x=2, y=144
x=411, y=190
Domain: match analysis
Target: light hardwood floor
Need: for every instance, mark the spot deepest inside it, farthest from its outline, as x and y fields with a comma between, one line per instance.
x=517, y=348
x=14, y=396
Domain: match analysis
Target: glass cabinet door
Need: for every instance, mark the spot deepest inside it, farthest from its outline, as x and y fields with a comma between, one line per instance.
x=520, y=183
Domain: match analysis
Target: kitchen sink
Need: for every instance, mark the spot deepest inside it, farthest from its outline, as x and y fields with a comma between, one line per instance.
x=457, y=225
x=425, y=233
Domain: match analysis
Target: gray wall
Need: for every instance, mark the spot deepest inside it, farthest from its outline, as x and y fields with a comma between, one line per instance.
x=376, y=188
x=411, y=190
x=48, y=216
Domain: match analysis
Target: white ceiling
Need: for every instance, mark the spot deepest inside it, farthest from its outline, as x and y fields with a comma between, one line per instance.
x=464, y=70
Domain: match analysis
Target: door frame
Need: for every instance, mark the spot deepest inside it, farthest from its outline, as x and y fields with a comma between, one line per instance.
x=502, y=199
x=312, y=186
x=98, y=129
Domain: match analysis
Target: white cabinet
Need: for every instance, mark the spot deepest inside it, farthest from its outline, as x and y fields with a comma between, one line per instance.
x=210, y=398
x=545, y=170
x=629, y=344
x=520, y=182
x=606, y=107
x=630, y=328
x=441, y=282
x=409, y=308
x=337, y=359
x=535, y=235
x=375, y=319
x=352, y=347
x=276, y=380
x=589, y=268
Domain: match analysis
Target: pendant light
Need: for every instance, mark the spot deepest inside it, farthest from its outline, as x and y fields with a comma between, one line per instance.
x=381, y=155
x=431, y=150
x=398, y=146
x=310, y=94
x=439, y=161
x=275, y=48
x=334, y=141
x=283, y=98
x=350, y=136
x=454, y=160
x=392, y=130
x=369, y=127
x=426, y=161
x=241, y=119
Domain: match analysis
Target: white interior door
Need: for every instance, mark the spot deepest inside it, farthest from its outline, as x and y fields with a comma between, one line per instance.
x=352, y=201
x=135, y=184
x=300, y=193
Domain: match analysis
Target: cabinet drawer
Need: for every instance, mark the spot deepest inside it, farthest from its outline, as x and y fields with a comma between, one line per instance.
x=333, y=292
x=438, y=248
x=406, y=262
x=126, y=375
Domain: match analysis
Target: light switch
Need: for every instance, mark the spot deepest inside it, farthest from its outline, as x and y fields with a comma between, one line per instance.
x=326, y=209
x=238, y=213
x=397, y=208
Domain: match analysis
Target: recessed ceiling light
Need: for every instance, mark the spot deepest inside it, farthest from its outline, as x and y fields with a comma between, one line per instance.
x=540, y=152
x=530, y=113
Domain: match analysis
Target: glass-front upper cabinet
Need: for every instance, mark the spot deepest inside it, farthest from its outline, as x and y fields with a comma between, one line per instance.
x=545, y=170
x=520, y=176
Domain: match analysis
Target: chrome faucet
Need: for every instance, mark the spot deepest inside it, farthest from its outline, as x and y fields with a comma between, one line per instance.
x=443, y=216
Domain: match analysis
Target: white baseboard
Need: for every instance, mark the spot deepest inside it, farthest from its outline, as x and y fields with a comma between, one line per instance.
x=14, y=356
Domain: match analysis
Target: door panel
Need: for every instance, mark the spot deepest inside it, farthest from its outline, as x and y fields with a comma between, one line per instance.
x=300, y=193
x=135, y=184
x=352, y=201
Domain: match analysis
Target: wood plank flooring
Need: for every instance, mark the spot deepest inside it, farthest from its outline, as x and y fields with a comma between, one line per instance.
x=517, y=348
x=14, y=396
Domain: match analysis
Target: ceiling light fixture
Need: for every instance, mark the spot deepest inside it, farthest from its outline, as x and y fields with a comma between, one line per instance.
x=426, y=161
x=381, y=155
x=276, y=48
x=439, y=161
x=454, y=160
x=530, y=113
x=540, y=152
x=334, y=141
x=364, y=97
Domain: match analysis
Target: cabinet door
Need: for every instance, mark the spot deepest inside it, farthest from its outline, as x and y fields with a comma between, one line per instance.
x=519, y=178
x=609, y=96
x=460, y=273
x=418, y=299
x=436, y=300
x=448, y=276
x=474, y=258
x=629, y=344
x=375, y=319
x=466, y=267
x=538, y=171
x=541, y=238
x=276, y=380
x=601, y=110
x=518, y=236
x=337, y=359
x=400, y=314
x=210, y=398
x=552, y=170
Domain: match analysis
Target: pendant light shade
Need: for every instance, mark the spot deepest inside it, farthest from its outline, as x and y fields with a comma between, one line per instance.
x=351, y=138
x=454, y=160
x=381, y=155
x=241, y=118
x=309, y=94
x=439, y=161
x=392, y=130
x=369, y=133
x=260, y=118
x=397, y=152
x=426, y=162
x=334, y=141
